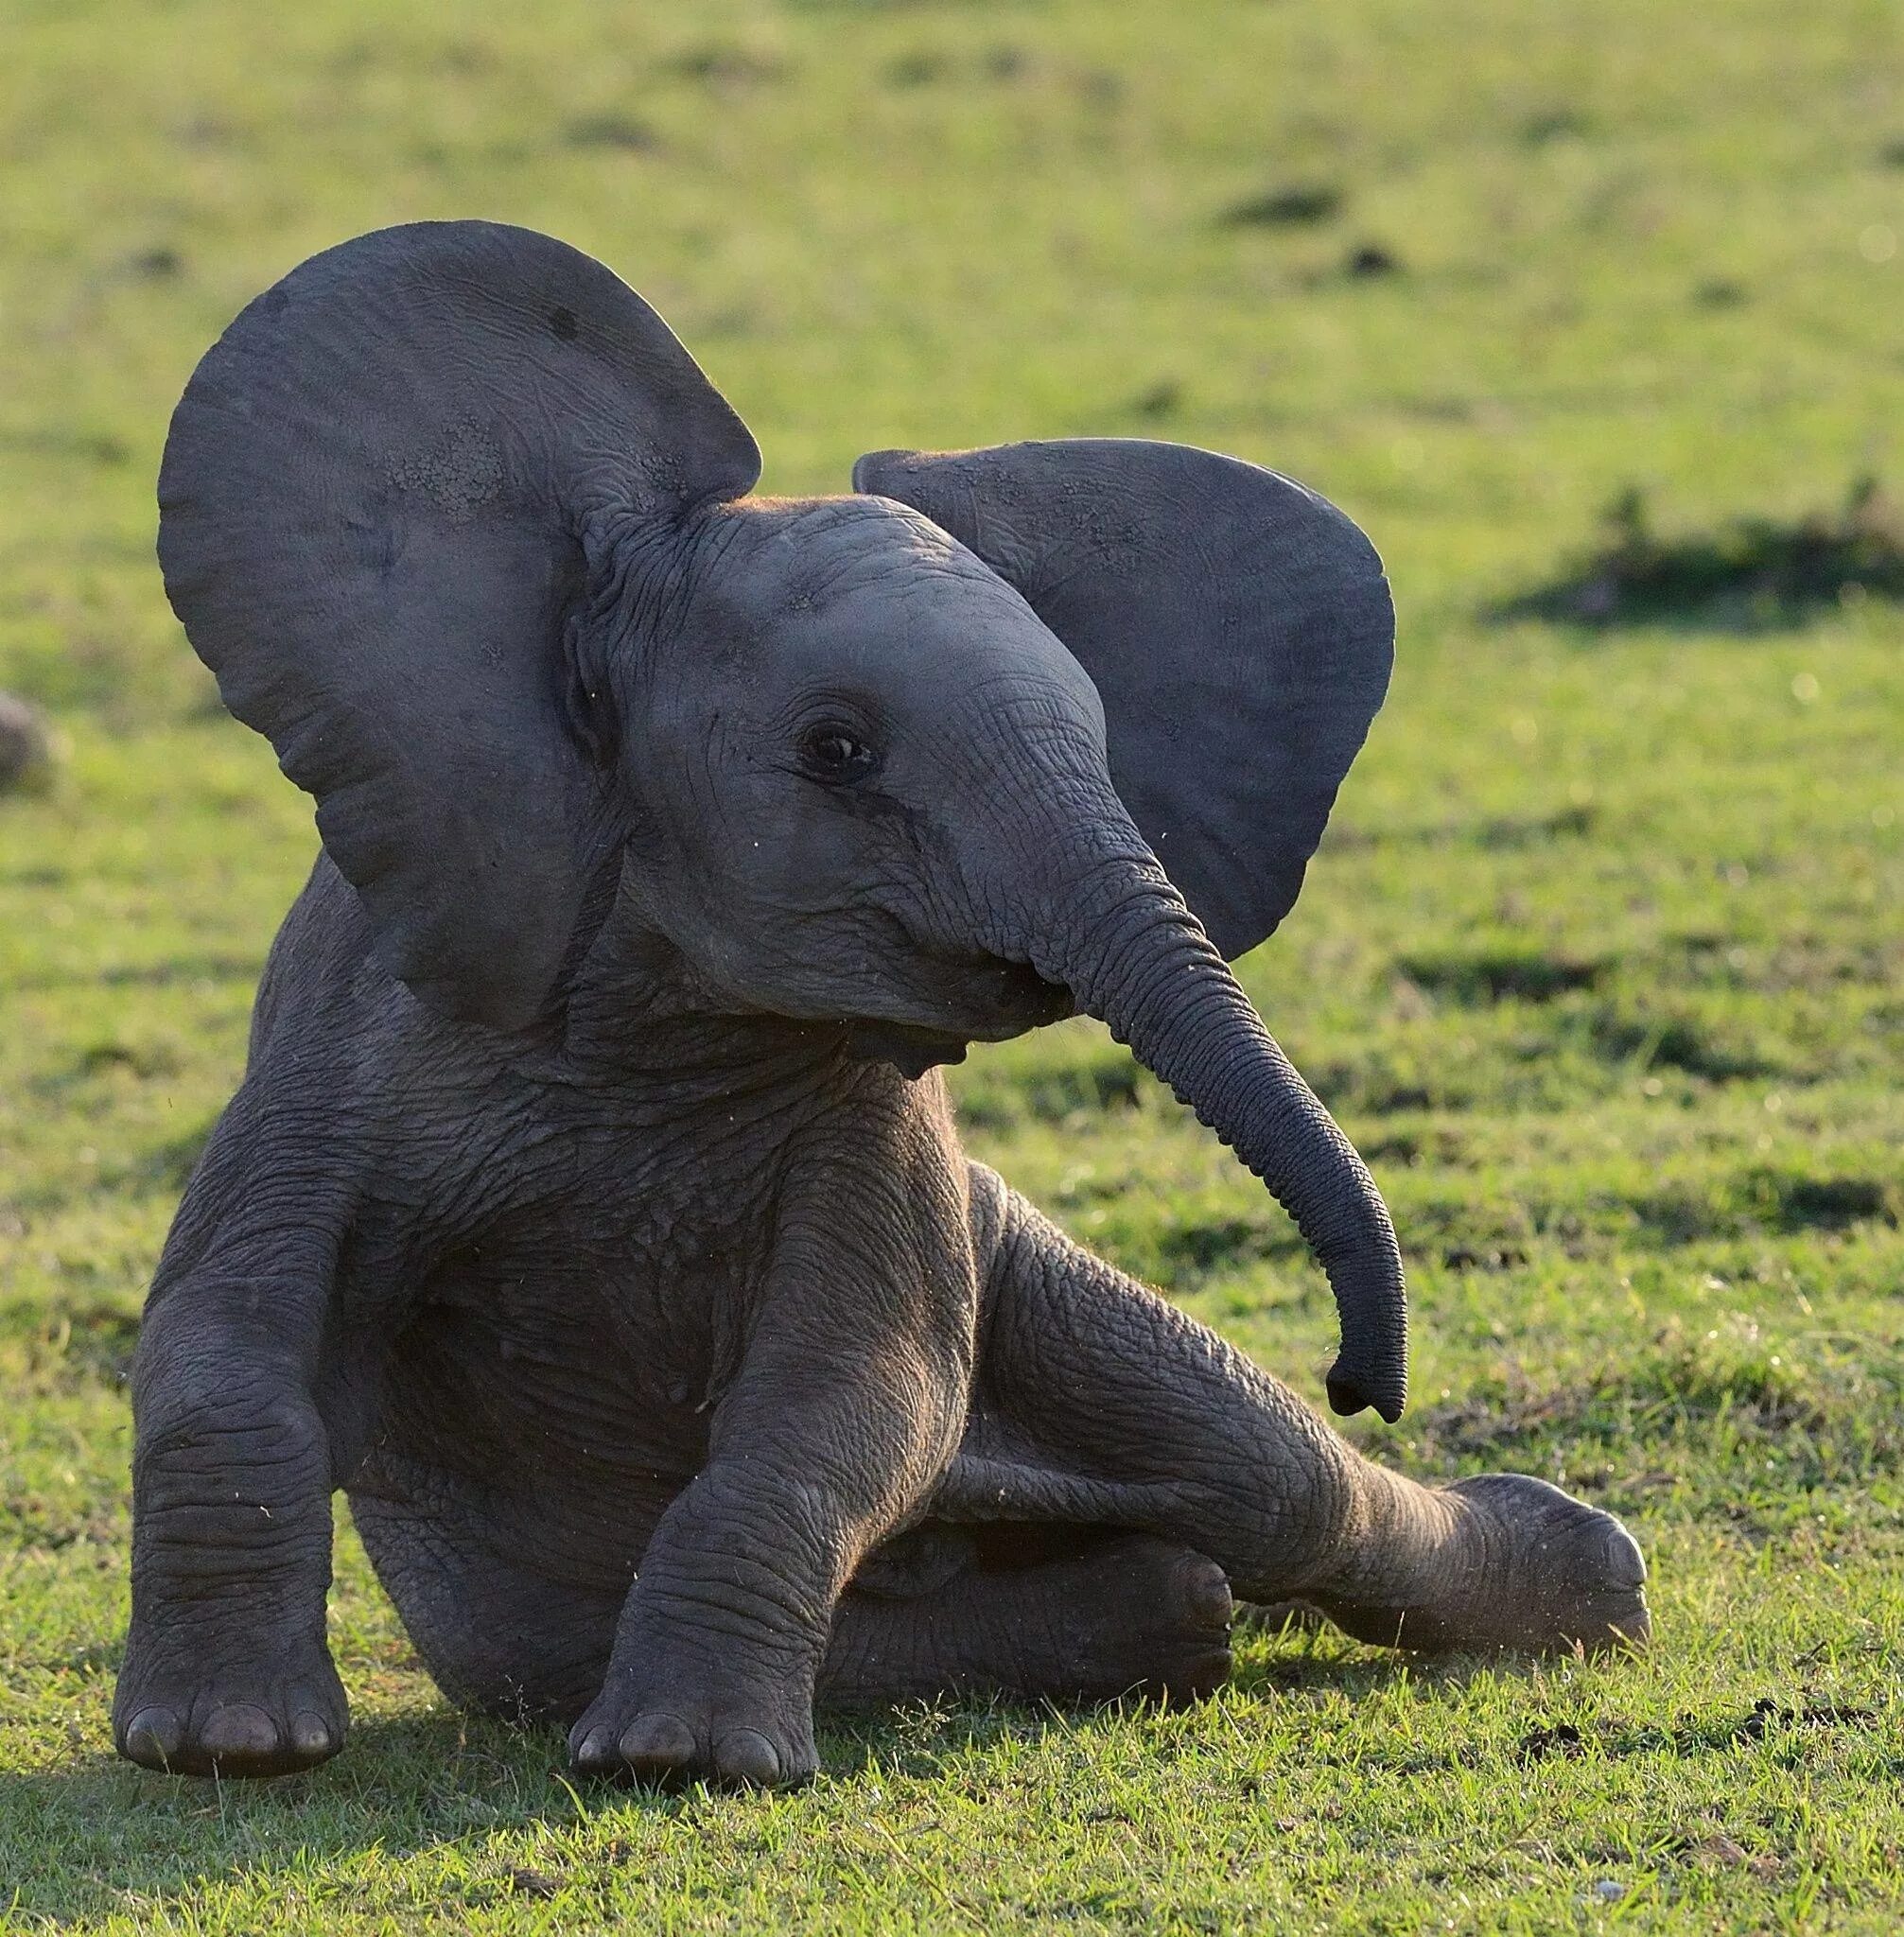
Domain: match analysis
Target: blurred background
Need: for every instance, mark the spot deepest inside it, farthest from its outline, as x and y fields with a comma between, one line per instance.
x=1589, y=314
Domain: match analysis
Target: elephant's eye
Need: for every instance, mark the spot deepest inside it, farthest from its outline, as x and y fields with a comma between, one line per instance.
x=834, y=754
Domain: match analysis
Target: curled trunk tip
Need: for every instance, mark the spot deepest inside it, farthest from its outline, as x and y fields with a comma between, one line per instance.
x=1149, y=972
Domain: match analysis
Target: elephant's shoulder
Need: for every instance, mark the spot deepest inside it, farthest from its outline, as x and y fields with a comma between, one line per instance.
x=331, y=1025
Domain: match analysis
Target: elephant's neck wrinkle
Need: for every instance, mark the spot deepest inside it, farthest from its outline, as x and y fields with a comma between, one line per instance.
x=644, y=1011
x=698, y=1050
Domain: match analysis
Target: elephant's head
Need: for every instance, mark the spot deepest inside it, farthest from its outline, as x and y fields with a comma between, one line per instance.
x=459, y=526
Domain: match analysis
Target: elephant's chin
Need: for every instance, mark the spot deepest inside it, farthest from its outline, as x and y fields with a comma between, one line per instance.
x=911, y=1051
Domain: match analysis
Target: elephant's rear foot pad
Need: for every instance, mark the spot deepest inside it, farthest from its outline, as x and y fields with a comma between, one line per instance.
x=1047, y=1613
x=1156, y=1620
x=1128, y=1615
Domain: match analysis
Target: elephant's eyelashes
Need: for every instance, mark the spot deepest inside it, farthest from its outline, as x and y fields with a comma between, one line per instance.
x=835, y=755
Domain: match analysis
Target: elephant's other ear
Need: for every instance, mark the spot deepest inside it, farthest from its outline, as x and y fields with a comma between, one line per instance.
x=1238, y=628
x=388, y=490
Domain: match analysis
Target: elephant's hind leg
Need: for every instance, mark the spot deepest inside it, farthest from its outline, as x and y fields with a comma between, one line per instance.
x=1098, y=1401
x=498, y=1634
x=1054, y=1613
x=1050, y=1611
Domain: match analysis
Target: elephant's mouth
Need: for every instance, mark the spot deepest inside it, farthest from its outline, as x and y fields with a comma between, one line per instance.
x=1021, y=996
x=980, y=998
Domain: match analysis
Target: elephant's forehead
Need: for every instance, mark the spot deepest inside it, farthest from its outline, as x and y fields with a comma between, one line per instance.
x=865, y=588
x=934, y=624
x=825, y=551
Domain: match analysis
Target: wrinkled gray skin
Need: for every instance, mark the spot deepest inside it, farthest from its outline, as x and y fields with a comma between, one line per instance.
x=591, y=1212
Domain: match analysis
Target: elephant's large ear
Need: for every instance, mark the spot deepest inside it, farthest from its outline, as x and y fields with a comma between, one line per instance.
x=1238, y=628
x=389, y=492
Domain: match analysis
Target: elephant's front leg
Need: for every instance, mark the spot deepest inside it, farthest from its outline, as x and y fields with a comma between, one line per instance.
x=848, y=1403
x=226, y=1670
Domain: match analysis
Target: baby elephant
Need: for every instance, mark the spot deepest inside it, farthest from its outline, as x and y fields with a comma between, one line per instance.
x=591, y=1211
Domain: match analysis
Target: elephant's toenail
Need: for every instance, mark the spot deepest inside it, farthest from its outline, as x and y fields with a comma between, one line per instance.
x=1623, y=1562
x=239, y=1732
x=153, y=1737
x=596, y=1750
x=1206, y=1594
x=657, y=1741
x=311, y=1736
x=746, y=1755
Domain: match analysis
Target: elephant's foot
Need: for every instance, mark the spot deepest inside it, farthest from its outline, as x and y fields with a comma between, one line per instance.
x=261, y=1710
x=1137, y=1615
x=654, y=1726
x=1095, y=1616
x=1523, y=1566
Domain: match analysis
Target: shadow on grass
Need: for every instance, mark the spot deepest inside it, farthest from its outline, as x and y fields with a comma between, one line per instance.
x=1751, y=574
x=1478, y=977
x=101, y=1837
x=98, y=1838
x=1503, y=834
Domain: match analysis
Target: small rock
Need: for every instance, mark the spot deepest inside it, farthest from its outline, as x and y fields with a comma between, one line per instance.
x=1372, y=259
x=1160, y=400
x=1598, y=598
x=156, y=265
x=1609, y=1889
x=26, y=748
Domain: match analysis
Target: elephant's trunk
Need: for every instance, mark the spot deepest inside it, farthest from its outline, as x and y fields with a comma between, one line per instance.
x=1133, y=956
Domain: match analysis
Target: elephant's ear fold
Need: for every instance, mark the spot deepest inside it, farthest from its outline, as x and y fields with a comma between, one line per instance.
x=1238, y=628
x=392, y=493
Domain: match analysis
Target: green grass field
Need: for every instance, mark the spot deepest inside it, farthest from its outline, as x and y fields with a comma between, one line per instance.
x=1599, y=965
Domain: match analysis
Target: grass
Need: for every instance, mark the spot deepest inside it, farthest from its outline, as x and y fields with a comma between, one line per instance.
x=1752, y=572
x=1599, y=964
